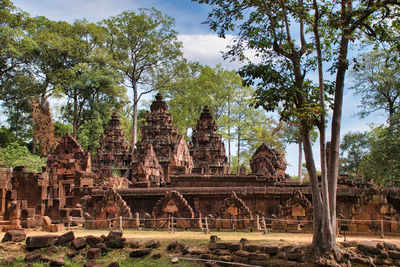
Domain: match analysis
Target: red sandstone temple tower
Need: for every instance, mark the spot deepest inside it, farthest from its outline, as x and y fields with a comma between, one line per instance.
x=113, y=156
x=67, y=159
x=269, y=163
x=160, y=145
x=208, y=150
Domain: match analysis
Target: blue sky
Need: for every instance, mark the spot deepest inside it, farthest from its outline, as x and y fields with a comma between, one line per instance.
x=199, y=43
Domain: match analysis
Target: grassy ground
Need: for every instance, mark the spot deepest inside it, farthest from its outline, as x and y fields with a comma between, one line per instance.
x=193, y=239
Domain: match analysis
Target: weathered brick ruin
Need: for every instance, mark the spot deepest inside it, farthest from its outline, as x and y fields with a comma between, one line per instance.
x=113, y=156
x=207, y=149
x=187, y=188
x=269, y=163
x=168, y=149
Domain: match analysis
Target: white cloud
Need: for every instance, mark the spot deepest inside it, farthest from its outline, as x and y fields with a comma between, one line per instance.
x=208, y=49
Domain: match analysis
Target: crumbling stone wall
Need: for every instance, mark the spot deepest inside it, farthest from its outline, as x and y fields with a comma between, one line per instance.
x=5, y=184
x=31, y=187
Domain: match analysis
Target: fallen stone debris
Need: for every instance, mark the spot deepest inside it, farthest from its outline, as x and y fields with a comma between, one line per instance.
x=91, y=250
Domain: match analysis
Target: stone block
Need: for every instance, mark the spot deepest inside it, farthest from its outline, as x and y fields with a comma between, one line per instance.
x=137, y=253
x=14, y=235
x=152, y=244
x=113, y=235
x=258, y=256
x=115, y=243
x=94, y=253
x=156, y=256
x=369, y=247
x=380, y=261
x=394, y=254
x=65, y=238
x=390, y=246
x=78, y=243
x=33, y=256
x=93, y=240
x=251, y=248
x=51, y=250
x=270, y=249
x=221, y=252
x=55, y=262
x=234, y=247
x=296, y=256
x=28, y=213
x=102, y=246
x=349, y=244
x=40, y=241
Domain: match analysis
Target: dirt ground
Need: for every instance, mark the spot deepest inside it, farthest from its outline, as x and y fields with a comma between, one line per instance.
x=257, y=237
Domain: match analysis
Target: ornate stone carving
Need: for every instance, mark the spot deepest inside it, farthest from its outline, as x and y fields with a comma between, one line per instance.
x=147, y=169
x=296, y=213
x=113, y=156
x=173, y=205
x=207, y=148
x=169, y=146
x=268, y=162
x=110, y=206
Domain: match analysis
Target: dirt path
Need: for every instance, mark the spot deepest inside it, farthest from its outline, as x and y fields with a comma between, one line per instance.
x=258, y=237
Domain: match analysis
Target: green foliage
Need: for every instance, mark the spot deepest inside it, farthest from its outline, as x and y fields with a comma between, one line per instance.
x=17, y=155
x=354, y=146
x=373, y=155
x=382, y=164
x=195, y=87
x=143, y=48
x=377, y=80
x=62, y=129
x=6, y=137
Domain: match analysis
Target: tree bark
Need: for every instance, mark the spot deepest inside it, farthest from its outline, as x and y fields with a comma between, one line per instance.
x=238, y=155
x=333, y=171
x=327, y=232
x=300, y=167
x=75, y=120
x=134, y=115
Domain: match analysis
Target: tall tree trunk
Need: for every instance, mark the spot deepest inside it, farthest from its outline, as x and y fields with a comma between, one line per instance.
x=300, y=167
x=34, y=144
x=75, y=119
x=229, y=133
x=134, y=116
x=327, y=231
x=333, y=171
x=238, y=155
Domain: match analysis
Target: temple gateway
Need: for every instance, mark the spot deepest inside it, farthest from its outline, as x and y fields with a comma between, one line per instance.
x=166, y=178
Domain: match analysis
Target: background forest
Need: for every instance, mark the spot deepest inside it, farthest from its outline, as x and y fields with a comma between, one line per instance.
x=58, y=77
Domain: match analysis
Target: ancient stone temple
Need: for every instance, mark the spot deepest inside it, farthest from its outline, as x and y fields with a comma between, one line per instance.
x=68, y=168
x=169, y=146
x=269, y=163
x=207, y=149
x=165, y=193
x=67, y=158
x=113, y=156
x=147, y=169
